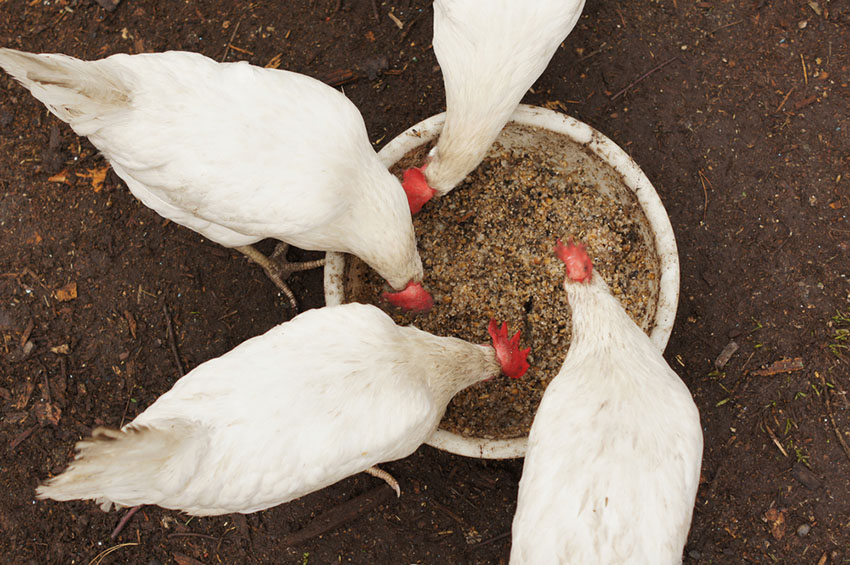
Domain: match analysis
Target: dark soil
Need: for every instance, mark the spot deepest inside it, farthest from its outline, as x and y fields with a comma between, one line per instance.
x=744, y=134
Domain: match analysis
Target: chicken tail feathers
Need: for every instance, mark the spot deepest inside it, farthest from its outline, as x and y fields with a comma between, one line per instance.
x=74, y=90
x=136, y=465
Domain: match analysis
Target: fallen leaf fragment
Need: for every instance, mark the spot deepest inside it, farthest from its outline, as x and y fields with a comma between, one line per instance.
x=66, y=293
x=25, y=337
x=274, y=62
x=776, y=520
x=34, y=239
x=15, y=416
x=61, y=176
x=22, y=393
x=131, y=321
x=815, y=7
x=22, y=436
x=97, y=176
x=781, y=366
x=61, y=349
x=182, y=559
x=47, y=413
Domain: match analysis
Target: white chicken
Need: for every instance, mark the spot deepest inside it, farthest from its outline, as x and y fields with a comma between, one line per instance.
x=614, y=453
x=329, y=394
x=490, y=52
x=237, y=153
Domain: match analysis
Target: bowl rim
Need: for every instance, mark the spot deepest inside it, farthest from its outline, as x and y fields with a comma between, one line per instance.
x=633, y=178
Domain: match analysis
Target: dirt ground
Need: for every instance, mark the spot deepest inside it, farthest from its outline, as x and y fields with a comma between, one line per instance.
x=736, y=110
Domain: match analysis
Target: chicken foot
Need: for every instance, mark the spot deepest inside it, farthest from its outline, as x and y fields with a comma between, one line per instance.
x=375, y=471
x=278, y=268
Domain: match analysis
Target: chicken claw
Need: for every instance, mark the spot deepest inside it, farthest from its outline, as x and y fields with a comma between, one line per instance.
x=375, y=471
x=278, y=268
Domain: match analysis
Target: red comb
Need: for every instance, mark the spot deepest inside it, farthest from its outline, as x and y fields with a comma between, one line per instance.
x=579, y=265
x=510, y=356
x=414, y=298
x=416, y=188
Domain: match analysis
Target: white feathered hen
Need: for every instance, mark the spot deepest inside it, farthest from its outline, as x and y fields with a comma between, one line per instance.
x=326, y=395
x=614, y=453
x=490, y=52
x=237, y=153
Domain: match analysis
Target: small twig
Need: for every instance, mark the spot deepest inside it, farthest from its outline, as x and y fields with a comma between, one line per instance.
x=501, y=536
x=410, y=25
x=643, y=77
x=123, y=521
x=338, y=7
x=22, y=436
x=221, y=539
x=375, y=13
x=736, y=22
x=449, y=513
x=829, y=413
x=398, y=23
x=47, y=388
x=703, y=179
x=229, y=41
x=775, y=439
x=245, y=51
x=784, y=100
x=191, y=535
x=172, y=341
x=336, y=517
x=102, y=555
x=127, y=405
x=602, y=47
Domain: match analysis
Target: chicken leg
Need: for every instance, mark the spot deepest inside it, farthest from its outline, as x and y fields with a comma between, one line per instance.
x=278, y=268
x=375, y=471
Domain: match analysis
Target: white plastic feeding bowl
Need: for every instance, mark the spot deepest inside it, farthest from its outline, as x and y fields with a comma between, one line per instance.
x=605, y=165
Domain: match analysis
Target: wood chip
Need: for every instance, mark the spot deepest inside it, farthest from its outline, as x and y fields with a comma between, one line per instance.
x=47, y=413
x=62, y=176
x=338, y=77
x=66, y=293
x=131, y=321
x=22, y=392
x=22, y=436
x=776, y=520
x=806, y=476
x=108, y=5
x=25, y=337
x=726, y=354
x=781, y=366
x=182, y=559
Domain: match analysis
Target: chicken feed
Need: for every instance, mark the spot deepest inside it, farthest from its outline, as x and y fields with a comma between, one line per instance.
x=487, y=253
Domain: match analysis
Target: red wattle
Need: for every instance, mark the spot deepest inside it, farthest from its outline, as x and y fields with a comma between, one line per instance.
x=416, y=188
x=413, y=298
